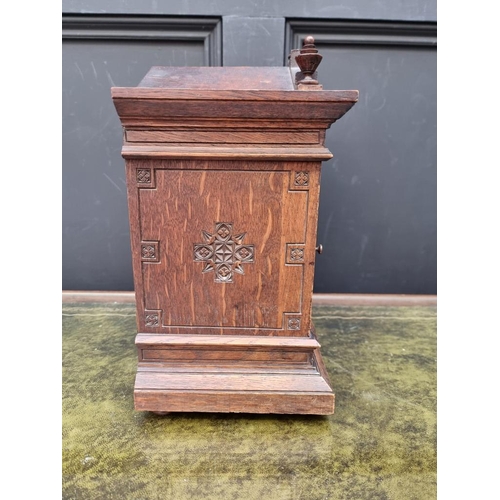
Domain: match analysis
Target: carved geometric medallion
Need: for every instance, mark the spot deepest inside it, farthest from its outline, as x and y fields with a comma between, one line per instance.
x=151, y=319
x=302, y=178
x=223, y=252
x=295, y=253
x=144, y=176
x=150, y=251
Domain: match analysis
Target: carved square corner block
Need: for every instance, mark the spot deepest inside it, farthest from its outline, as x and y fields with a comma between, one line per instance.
x=145, y=177
x=293, y=322
x=150, y=251
x=295, y=253
x=152, y=318
x=299, y=180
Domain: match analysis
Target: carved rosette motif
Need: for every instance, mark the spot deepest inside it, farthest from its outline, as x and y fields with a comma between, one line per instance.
x=294, y=323
x=150, y=251
x=151, y=319
x=297, y=254
x=144, y=176
x=223, y=252
x=302, y=178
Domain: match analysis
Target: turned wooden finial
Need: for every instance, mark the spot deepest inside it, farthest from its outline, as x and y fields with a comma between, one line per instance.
x=308, y=61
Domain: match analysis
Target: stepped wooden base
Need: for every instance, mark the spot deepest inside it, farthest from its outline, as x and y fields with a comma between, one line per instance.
x=231, y=374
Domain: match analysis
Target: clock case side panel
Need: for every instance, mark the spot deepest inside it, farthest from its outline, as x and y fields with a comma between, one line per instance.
x=171, y=300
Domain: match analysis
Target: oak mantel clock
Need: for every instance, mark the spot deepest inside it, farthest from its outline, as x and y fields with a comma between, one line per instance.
x=223, y=177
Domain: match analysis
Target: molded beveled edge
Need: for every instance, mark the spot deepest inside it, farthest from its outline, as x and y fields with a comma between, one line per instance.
x=151, y=104
x=323, y=96
x=226, y=341
x=223, y=153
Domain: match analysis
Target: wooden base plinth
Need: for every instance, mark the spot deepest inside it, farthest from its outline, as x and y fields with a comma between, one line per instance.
x=231, y=374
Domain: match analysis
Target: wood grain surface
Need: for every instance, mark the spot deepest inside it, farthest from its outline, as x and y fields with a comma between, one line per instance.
x=259, y=201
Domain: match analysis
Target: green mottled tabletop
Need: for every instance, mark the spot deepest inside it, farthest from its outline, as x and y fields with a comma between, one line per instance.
x=379, y=444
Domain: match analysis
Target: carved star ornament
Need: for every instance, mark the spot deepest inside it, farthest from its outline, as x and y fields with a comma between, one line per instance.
x=223, y=253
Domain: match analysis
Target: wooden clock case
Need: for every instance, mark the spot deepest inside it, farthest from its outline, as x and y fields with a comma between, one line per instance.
x=223, y=176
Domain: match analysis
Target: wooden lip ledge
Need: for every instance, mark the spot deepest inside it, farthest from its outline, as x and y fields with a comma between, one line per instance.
x=221, y=153
x=234, y=95
x=228, y=341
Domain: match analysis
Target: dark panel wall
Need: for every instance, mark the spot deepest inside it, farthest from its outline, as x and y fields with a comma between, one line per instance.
x=378, y=200
x=99, y=53
x=377, y=218
x=404, y=10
